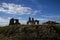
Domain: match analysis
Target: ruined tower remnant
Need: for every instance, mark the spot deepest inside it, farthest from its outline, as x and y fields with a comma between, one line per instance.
x=29, y=19
x=32, y=21
x=37, y=21
x=11, y=21
x=17, y=21
x=14, y=21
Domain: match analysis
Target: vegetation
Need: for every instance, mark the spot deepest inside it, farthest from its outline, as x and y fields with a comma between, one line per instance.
x=30, y=32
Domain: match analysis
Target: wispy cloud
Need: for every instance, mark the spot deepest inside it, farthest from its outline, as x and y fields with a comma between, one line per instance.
x=51, y=16
x=41, y=20
x=11, y=8
x=3, y=21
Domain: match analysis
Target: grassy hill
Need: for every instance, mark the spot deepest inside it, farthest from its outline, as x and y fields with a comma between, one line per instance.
x=30, y=32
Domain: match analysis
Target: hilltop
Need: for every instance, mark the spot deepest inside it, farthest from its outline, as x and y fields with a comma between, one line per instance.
x=30, y=32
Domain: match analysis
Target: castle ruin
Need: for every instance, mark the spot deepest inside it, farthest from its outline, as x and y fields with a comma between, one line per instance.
x=32, y=21
x=14, y=21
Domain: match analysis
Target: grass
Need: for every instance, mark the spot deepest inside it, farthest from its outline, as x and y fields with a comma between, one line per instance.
x=30, y=32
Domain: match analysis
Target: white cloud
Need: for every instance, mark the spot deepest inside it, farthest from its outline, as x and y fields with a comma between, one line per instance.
x=41, y=19
x=11, y=8
x=3, y=21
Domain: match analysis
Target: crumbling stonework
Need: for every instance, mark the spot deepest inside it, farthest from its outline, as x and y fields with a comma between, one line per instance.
x=14, y=21
x=32, y=21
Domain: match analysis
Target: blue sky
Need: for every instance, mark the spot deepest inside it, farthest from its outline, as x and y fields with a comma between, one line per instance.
x=42, y=10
